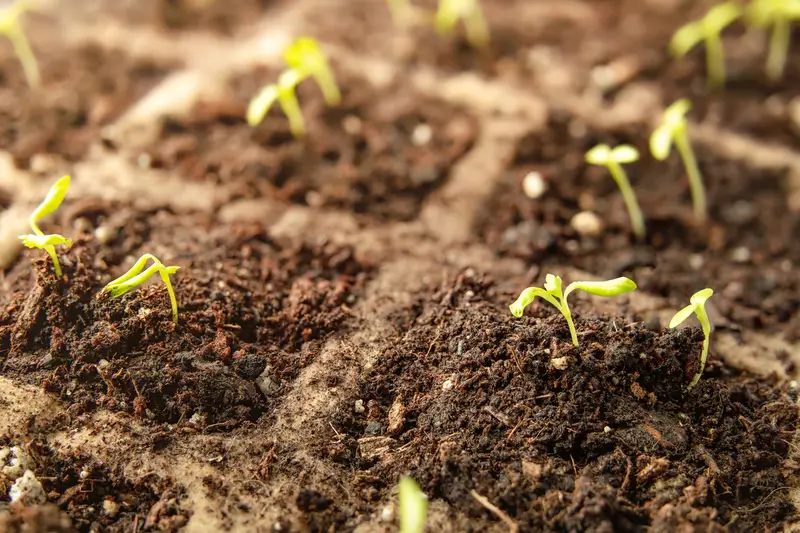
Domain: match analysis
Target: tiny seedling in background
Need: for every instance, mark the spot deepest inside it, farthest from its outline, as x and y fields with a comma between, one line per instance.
x=673, y=129
x=552, y=293
x=779, y=14
x=450, y=11
x=305, y=58
x=696, y=307
x=138, y=275
x=38, y=239
x=613, y=159
x=708, y=29
x=10, y=27
x=413, y=506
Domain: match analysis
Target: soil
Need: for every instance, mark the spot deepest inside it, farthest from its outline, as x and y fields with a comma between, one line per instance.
x=343, y=298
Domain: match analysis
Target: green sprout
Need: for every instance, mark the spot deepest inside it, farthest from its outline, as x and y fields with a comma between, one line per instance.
x=673, y=129
x=305, y=59
x=708, y=30
x=778, y=14
x=12, y=29
x=413, y=506
x=697, y=307
x=38, y=239
x=450, y=11
x=138, y=275
x=612, y=159
x=552, y=293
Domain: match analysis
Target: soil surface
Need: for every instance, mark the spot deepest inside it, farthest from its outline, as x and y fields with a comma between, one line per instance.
x=343, y=298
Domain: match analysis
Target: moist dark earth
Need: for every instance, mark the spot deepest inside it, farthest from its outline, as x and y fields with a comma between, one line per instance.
x=333, y=338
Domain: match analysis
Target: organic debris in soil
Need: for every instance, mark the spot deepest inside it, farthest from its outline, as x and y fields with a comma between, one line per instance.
x=247, y=309
x=376, y=153
x=602, y=437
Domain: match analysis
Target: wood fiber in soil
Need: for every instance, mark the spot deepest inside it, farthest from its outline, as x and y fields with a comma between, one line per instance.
x=81, y=486
x=747, y=210
x=247, y=307
x=84, y=89
x=468, y=398
x=377, y=153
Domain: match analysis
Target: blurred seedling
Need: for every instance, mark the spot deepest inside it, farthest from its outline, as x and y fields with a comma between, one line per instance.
x=673, y=129
x=10, y=27
x=450, y=11
x=612, y=159
x=305, y=59
x=413, y=504
x=696, y=307
x=38, y=239
x=778, y=14
x=138, y=275
x=552, y=293
x=708, y=30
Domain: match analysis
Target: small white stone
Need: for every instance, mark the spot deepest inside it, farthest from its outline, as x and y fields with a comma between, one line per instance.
x=17, y=461
x=740, y=254
x=607, y=429
x=359, y=407
x=110, y=507
x=587, y=224
x=534, y=185
x=314, y=199
x=559, y=363
x=198, y=419
x=144, y=160
x=447, y=385
x=421, y=135
x=84, y=474
x=387, y=513
x=351, y=124
x=105, y=234
x=696, y=261
x=27, y=490
x=277, y=527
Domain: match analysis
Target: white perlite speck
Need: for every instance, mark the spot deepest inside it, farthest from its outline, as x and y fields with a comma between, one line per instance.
x=15, y=461
x=27, y=490
x=534, y=185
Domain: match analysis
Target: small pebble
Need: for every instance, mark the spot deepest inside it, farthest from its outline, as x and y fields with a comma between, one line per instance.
x=696, y=261
x=740, y=254
x=559, y=363
x=27, y=490
x=421, y=135
x=359, y=407
x=110, y=507
x=607, y=429
x=587, y=224
x=105, y=234
x=351, y=124
x=447, y=385
x=534, y=185
x=373, y=429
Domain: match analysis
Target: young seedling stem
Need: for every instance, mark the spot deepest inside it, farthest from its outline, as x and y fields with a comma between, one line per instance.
x=674, y=129
x=708, y=29
x=613, y=159
x=10, y=27
x=138, y=275
x=779, y=14
x=553, y=294
x=450, y=11
x=305, y=59
x=413, y=506
x=38, y=239
x=696, y=307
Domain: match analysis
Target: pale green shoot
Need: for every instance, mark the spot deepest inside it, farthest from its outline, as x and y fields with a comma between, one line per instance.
x=450, y=11
x=305, y=56
x=38, y=239
x=12, y=29
x=673, y=129
x=413, y=506
x=779, y=14
x=553, y=294
x=603, y=155
x=696, y=307
x=138, y=275
x=708, y=29
x=284, y=92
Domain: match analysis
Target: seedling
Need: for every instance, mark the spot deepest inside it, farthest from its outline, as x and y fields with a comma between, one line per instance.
x=708, y=30
x=696, y=307
x=673, y=129
x=450, y=11
x=552, y=293
x=305, y=58
x=38, y=239
x=613, y=159
x=138, y=275
x=779, y=14
x=413, y=506
x=12, y=29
